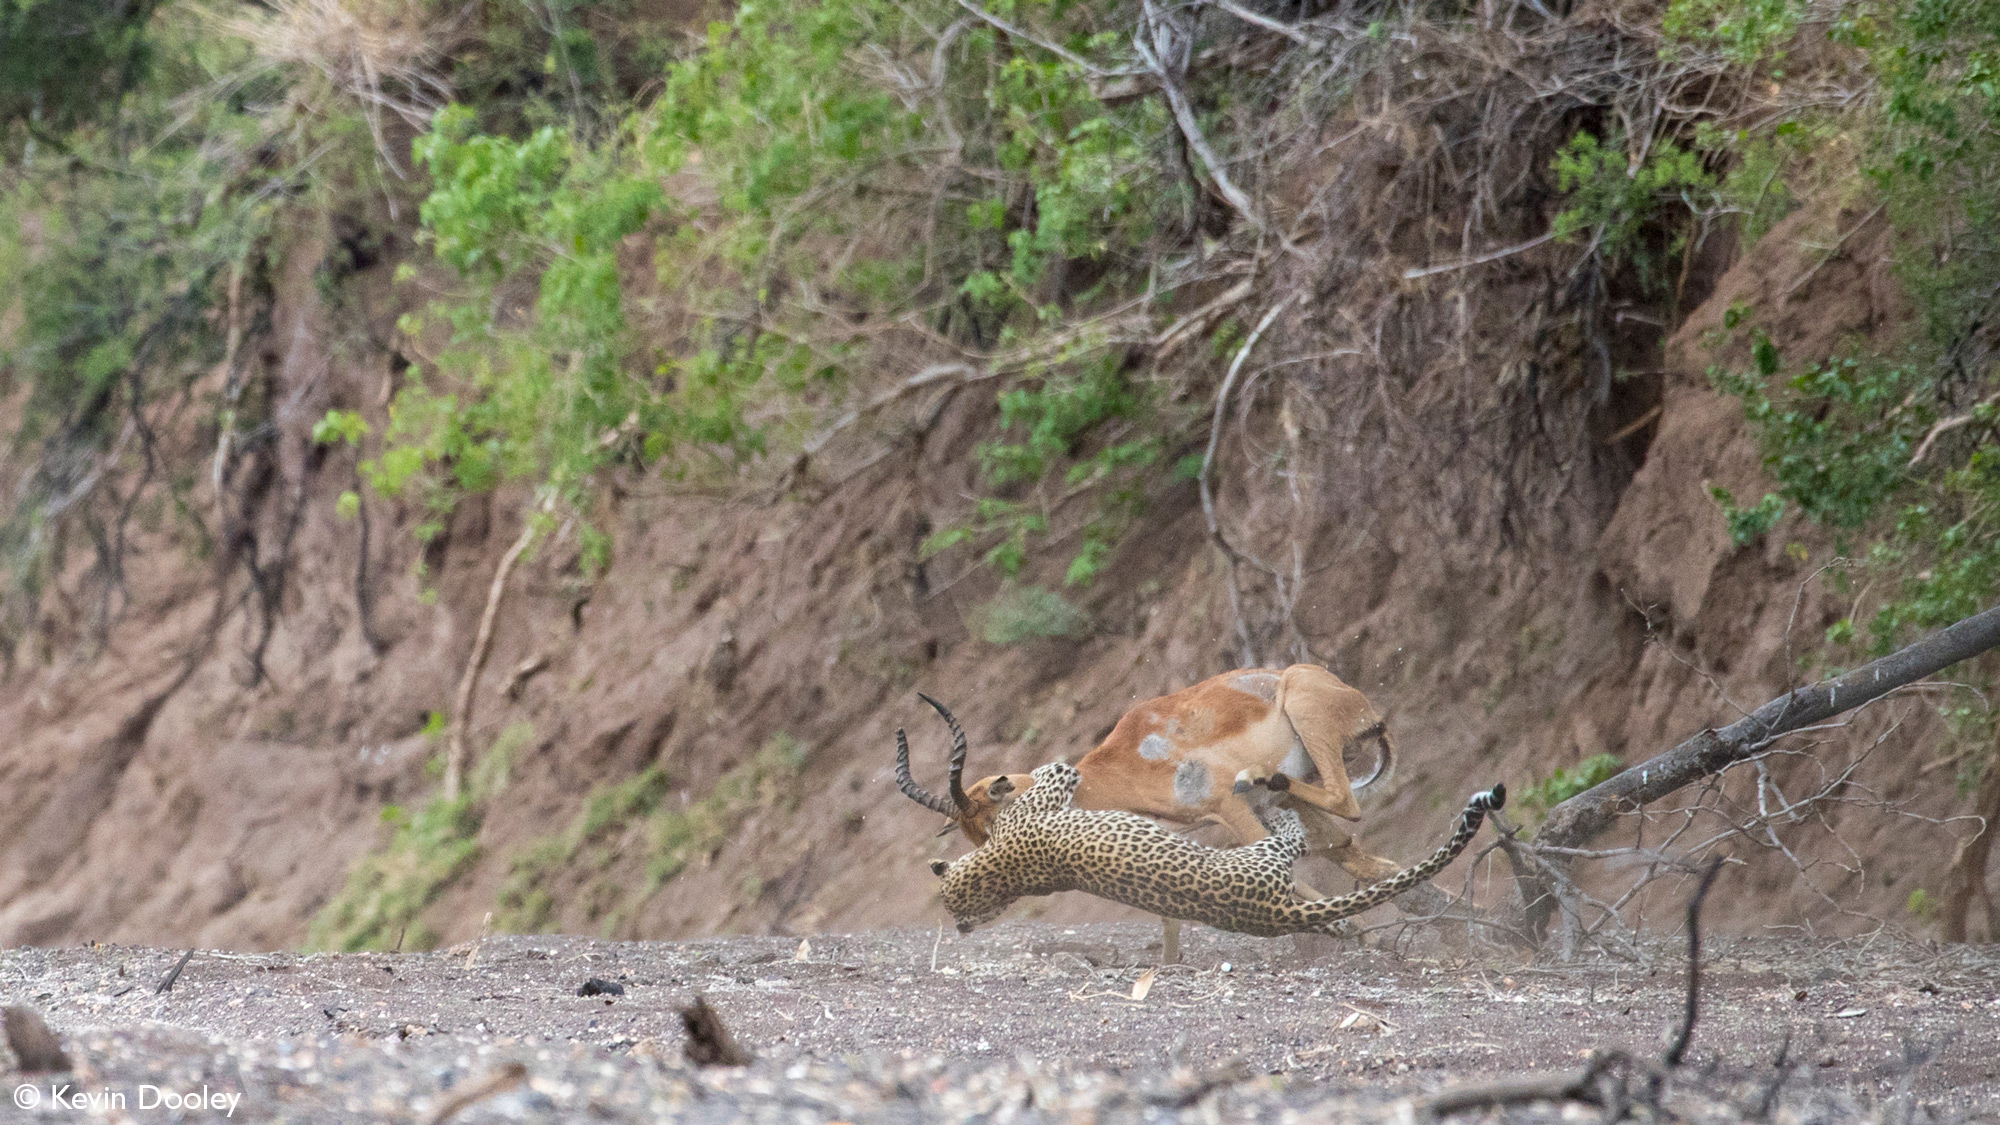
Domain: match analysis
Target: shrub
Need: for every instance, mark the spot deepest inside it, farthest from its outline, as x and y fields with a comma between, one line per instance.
x=1025, y=613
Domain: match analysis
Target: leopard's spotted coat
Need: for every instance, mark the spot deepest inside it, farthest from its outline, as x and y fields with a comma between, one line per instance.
x=1041, y=844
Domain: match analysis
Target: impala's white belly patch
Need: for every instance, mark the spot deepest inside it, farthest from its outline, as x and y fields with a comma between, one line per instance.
x=1297, y=765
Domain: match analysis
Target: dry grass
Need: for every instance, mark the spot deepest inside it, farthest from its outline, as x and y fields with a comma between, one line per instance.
x=388, y=56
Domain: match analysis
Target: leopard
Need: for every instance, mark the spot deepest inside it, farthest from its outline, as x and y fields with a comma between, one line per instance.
x=1041, y=844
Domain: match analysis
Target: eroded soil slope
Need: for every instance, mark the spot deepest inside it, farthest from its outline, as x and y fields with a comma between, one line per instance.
x=744, y=661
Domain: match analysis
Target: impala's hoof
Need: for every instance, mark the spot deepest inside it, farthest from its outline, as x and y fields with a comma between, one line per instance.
x=1244, y=782
x=939, y=867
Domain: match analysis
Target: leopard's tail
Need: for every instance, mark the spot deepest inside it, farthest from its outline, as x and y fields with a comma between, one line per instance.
x=1325, y=913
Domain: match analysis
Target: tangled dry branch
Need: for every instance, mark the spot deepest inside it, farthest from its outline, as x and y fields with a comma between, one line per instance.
x=1544, y=867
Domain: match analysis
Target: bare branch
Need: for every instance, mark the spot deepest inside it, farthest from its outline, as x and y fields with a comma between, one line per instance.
x=1163, y=57
x=1579, y=819
x=1267, y=23
x=1056, y=49
x=482, y=646
x=1415, y=272
x=1221, y=412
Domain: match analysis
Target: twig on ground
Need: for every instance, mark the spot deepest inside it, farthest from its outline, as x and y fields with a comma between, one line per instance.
x=166, y=984
x=1609, y=1079
x=499, y=1080
x=708, y=1042
x=1678, y=1050
x=36, y=1048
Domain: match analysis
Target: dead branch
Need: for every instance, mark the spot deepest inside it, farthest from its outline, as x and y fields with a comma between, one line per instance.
x=1195, y=323
x=1056, y=49
x=364, y=592
x=1267, y=23
x=482, y=646
x=1203, y=478
x=1415, y=272
x=929, y=376
x=1965, y=880
x=1580, y=819
x=1678, y=1049
x=709, y=1043
x=499, y=1080
x=1945, y=426
x=1613, y=1079
x=1165, y=54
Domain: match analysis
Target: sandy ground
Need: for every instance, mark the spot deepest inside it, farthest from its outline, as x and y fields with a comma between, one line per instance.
x=1024, y=1018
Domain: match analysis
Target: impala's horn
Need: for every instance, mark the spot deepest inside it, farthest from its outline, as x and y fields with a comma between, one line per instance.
x=910, y=788
x=958, y=797
x=1385, y=757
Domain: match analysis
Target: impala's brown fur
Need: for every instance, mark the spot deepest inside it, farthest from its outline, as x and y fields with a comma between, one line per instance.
x=1189, y=758
x=1040, y=844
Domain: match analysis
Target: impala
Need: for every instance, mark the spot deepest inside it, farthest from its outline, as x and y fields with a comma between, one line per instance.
x=1191, y=757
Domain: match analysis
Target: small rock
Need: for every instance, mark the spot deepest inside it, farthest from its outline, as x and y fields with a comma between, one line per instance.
x=598, y=986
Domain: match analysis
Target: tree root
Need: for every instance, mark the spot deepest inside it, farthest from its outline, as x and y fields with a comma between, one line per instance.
x=482, y=647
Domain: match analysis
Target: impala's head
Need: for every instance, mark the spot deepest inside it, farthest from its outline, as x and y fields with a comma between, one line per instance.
x=970, y=811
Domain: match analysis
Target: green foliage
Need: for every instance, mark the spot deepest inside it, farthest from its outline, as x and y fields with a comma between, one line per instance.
x=680, y=837
x=64, y=63
x=1922, y=905
x=1896, y=449
x=117, y=257
x=1755, y=186
x=1025, y=613
x=1747, y=525
x=797, y=142
x=435, y=724
x=1613, y=200
x=526, y=903
x=1837, y=435
x=556, y=399
x=1044, y=425
x=1744, y=31
x=1563, y=784
x=1840, y=440
x=387, y=892
x=340, y=426
x=635, y=815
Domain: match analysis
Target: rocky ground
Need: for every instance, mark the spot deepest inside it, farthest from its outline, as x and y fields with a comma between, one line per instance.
x=1021, y=1021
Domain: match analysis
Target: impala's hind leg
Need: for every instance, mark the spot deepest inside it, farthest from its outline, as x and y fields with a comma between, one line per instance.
x=1330, y=838
x=1241, y=821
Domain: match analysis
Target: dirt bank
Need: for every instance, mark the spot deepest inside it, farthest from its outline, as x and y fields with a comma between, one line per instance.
x=733, y=680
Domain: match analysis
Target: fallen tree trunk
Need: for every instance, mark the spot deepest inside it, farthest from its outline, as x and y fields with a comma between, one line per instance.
x=1580, y=819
